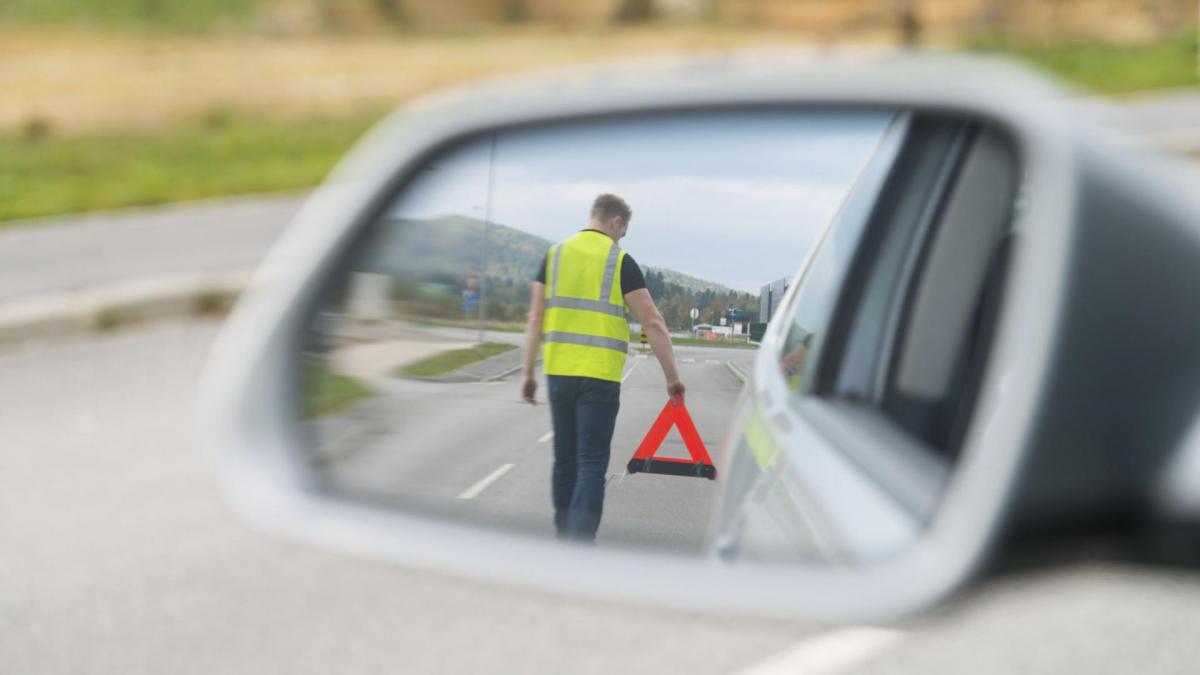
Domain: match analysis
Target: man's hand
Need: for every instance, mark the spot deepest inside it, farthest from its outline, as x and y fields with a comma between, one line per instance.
x=529, y=388
x=660, y=340
x=675, y=389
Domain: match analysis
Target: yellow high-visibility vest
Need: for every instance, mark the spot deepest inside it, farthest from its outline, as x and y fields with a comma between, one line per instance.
x=584, y=328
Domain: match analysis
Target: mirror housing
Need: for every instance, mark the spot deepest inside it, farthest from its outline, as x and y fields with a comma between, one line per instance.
x=249, y=395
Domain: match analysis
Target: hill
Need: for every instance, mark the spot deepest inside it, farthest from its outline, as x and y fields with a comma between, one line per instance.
x=442, y=252
x=688, y=282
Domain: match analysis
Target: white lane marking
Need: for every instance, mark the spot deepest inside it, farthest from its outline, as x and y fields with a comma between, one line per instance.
x=687, y=360
x=630, y=371
x=473, y=491
x=830, y=653
x=548, y=436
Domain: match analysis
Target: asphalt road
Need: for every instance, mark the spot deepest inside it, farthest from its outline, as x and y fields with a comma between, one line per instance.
x=475, y=452
x=117, y=555
x=63, y=254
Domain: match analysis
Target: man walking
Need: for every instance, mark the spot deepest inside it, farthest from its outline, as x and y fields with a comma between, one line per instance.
x=578, y=310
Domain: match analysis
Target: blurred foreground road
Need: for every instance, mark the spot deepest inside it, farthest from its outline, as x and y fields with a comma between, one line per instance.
x=118, y=556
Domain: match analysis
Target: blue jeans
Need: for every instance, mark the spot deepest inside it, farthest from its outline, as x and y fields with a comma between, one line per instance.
x=584, y=412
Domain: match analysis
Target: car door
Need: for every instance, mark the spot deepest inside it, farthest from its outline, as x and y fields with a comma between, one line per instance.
x=847, y=436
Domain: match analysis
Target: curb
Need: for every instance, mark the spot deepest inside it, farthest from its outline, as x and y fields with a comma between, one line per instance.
x=510, y=371
x=737, y=372
x=112, y=306
x=456, y=376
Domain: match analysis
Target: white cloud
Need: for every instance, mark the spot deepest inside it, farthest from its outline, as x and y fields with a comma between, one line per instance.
x=740, y=207
x=714, y=229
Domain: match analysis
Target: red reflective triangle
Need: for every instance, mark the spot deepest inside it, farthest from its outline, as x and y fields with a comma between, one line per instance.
x=673, y=414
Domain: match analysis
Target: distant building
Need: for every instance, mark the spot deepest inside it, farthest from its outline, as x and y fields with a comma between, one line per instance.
x=369, y=298
x=769, y=298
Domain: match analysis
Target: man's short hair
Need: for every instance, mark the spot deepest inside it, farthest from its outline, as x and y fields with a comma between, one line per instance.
x=608, y=206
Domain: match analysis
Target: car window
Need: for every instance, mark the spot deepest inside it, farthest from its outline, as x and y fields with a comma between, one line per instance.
x=910, y=332
x=898, y=226
x=814, y=299
x=819, y=284
x=942, y=344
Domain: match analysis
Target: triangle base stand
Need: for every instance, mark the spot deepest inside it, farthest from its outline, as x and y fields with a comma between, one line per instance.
x=672, y=467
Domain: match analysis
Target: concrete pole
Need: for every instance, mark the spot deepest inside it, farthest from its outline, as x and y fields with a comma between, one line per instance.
x=487, y=220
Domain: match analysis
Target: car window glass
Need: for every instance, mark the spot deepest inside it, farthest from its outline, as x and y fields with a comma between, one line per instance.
x=814, y=299
x=821, y=282
x=903, y=215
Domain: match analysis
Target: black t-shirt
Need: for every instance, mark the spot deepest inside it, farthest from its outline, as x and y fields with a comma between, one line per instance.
x=631, y=275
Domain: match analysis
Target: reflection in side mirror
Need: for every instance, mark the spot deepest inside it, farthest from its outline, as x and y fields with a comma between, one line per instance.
x=638, y=260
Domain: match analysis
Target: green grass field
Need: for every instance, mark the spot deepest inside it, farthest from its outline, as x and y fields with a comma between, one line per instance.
x=448, y=362
x=44, y=172
x=1107, y=68
x=179, y=15
x=222, y=155
x=328, y=392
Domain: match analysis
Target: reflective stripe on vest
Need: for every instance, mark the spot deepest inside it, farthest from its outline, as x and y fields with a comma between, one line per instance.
x=584, y=329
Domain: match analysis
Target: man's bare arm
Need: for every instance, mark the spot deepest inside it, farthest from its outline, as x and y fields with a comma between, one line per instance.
x=660, y=340
x=533, y=340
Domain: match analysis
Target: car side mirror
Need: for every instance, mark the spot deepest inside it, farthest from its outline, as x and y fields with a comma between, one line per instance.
x=919, y=379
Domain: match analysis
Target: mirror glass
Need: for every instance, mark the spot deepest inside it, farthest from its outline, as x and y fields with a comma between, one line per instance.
x=649, y=252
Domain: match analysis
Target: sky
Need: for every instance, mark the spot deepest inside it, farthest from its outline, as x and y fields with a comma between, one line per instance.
x=734, y=197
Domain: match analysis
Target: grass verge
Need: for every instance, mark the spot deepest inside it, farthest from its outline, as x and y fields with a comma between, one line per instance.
x=450, y=361
x=1110, y=68
x=635, y=339
x=45, y=171
x=329, y=392
x=697, y=342
x=497, y=326
x=191, y=16
x=219, y=155
x=112, y=318
x=214, y=303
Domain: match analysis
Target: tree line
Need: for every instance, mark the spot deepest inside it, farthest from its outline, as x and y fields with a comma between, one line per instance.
x=507, y=299
x=676, y=302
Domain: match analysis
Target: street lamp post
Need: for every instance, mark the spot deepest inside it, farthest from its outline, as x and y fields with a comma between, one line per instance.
x=487, y=219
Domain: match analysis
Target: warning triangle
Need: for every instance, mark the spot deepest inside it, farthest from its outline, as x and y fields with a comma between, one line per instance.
x=673, y=414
